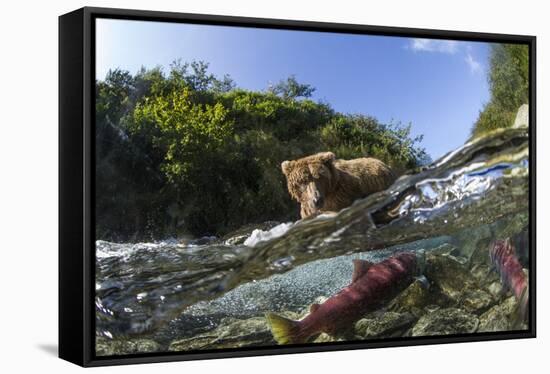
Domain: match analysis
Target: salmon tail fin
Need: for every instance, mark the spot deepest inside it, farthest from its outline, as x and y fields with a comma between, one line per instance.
x=284, y=330
x=524, y=304
x=520, y=314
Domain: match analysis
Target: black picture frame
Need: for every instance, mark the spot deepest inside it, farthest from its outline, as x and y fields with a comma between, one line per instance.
x=76, y=182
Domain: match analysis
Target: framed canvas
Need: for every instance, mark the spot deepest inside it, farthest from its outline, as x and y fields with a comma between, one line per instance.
x=234, y=186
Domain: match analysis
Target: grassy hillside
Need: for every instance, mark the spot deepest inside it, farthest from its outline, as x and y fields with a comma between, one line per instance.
x=509, y=87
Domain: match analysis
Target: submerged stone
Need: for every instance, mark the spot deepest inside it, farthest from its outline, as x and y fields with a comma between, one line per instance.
x=230, y=334
x=450, y=275
x=476, y=301
x=471, y=240
x=326, y=338
x=480, y=255
x=484, y=275
x=444, y=322
x=501, y=317
x=415, y=298
x=108, y=347
x=496, y=289
x=387, y=324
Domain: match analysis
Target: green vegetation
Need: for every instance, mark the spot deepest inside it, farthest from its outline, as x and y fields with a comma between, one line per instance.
x=189, y=153
x=509, y=86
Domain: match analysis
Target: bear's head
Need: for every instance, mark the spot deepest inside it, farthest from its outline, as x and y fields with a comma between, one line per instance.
x=309, y=179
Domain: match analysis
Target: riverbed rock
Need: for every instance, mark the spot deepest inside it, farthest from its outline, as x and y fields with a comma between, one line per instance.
x=476, y=301
x=385, y=324
x=501, y=317
x=468, y=241
x=496, y=289
x=484, y=275
x=444, y=249
x=231, y=333
x=449, y=274
x=480, y=254
x=109, y=347
x=326, y=338
x=415, y=298
x=444, y=322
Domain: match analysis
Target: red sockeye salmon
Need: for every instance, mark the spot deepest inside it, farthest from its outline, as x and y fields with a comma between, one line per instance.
x=503, y=257
x=372, y=286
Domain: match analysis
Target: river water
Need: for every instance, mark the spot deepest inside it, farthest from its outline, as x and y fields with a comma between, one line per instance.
x=168, y=290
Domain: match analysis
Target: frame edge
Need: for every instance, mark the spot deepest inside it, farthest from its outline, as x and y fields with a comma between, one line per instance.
x=71, y=257
x=76, y=86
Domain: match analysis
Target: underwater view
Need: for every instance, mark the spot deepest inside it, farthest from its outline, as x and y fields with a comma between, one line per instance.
x=236, y=216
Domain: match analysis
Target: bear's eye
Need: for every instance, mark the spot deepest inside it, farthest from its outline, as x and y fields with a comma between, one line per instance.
x=303, y=181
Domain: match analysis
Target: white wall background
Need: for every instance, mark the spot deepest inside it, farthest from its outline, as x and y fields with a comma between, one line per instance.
x=28, y=186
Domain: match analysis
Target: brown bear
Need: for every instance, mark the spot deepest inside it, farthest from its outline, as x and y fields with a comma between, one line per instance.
x=320, y=183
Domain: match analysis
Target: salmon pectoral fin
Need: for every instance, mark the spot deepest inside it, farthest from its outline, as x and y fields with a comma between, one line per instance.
x=360, y=268
x=284, y=330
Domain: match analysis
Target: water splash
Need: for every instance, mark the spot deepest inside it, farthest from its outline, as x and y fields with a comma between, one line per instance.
x=258, y=235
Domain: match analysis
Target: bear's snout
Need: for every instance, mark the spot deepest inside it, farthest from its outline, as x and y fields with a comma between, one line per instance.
x=318, y=200
x=314, y=196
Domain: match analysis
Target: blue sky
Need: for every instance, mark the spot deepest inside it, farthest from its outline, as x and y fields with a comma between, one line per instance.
x=439, y=86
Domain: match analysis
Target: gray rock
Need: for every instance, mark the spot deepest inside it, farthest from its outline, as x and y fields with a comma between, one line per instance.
x=450, y=275
x=231, y=333
x=522, y=118
x=326, y=338
x=495, y=289
x=108, y=347
x=470, y=240
x=501, y=317
x=476, y=301
x=387, y=324
x=415, y=298
x=444, y=322
x=484, y=275
x=480, y=255
x=444, y=249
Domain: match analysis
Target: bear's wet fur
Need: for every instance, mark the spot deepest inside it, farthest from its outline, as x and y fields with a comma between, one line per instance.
x=322, y=183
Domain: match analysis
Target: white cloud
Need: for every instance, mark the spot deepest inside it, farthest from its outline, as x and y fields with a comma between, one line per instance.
x=475, y=66
x=450, y=47
x=432, y=45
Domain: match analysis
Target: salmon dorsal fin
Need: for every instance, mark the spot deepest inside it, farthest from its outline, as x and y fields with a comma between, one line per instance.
x=360, y=268
x=313, y=308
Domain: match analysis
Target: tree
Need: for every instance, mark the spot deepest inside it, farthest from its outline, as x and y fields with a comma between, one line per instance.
x=186, y=131
x=195, y=76
x=291, y=89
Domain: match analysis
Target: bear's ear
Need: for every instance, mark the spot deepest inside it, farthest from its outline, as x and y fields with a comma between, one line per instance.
x=285, y=166
x=327, y=157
